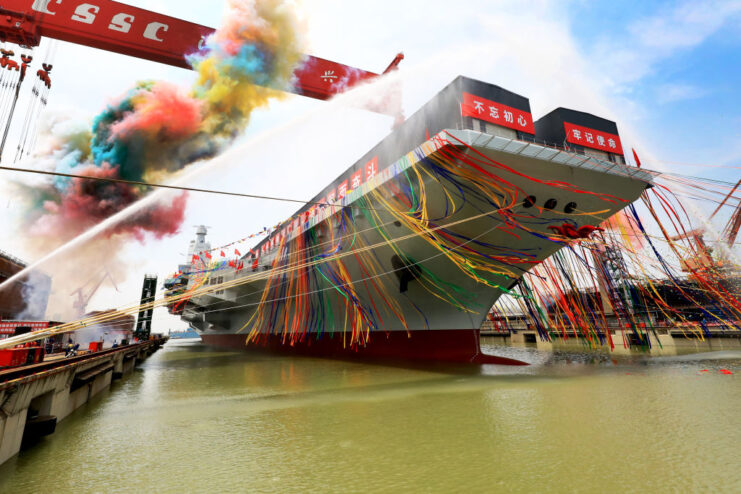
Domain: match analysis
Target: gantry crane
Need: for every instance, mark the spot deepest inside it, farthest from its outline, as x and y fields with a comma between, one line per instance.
x=730, y=232
x=120, y=28
x=83, y=296
x=704, y=258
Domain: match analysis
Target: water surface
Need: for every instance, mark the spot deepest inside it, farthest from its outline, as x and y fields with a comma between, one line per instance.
x=199, y=419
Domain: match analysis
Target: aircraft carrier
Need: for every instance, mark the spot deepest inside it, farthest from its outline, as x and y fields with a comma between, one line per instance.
x=404, y=254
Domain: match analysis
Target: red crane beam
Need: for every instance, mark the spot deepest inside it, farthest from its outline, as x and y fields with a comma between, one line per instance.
x=140, y=33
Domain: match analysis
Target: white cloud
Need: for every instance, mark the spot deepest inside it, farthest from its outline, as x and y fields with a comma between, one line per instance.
x=673, y=92
x=649, y=40
x=685, y=26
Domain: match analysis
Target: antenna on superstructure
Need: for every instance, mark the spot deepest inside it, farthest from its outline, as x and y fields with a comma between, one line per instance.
x=201, y=232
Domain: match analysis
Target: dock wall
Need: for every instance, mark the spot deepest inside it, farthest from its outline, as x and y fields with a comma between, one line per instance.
x=662, y=342
x=34, y=399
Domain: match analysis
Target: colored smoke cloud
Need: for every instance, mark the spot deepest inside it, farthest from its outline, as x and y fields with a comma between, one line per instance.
x=247, y=62
x=157, y=129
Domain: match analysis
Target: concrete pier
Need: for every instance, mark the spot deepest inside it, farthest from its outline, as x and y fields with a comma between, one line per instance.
x=664, y=341
x=34, y=398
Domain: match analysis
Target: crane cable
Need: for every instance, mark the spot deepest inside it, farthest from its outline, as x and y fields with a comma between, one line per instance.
x=30, y=112
x=174, y=187
x=8, y=79
x=39, y=100
x=25, y=62
x=51, y=58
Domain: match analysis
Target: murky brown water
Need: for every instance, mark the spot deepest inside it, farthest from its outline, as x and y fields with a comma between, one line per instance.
x=195, y=419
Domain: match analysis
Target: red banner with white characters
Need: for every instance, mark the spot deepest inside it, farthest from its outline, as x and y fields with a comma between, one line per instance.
x=595, y=139
x=497, y=113
x=356, y=180
x=8, y=327
x=136, y=32
x=371, y=169
x=342, y=190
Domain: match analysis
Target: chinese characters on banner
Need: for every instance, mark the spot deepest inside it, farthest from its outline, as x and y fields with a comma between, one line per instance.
x=497, y=113
x=595, y=139
x=371, y=169
x=362, y=175
x=356, y=180
x=342, y=190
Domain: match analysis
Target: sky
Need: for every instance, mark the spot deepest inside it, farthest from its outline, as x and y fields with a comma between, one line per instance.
x=668, y=73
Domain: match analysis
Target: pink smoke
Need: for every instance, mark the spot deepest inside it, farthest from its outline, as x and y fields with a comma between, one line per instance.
x=86, y=203
x=166, y=111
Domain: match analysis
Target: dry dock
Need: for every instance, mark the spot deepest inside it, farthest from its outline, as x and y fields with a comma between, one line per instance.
x=34, y=398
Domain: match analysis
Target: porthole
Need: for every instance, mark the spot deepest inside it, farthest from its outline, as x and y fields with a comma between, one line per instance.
x=397, y=223
x=570, y=208
x=529, y=202
x=550, y=204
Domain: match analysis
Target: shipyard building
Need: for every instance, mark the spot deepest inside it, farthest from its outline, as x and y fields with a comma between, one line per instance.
x=19, y=299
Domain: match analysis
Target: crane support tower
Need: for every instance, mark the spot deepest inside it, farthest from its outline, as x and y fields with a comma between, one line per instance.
x=140, y=33
x=144, y=321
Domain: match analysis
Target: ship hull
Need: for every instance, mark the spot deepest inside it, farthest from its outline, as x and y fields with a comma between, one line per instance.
x=405, y=310
x=449, y=346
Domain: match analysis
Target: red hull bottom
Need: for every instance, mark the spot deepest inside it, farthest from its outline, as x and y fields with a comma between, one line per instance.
x=461, y=346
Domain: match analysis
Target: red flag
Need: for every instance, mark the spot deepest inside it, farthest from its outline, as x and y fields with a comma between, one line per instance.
x=635, y=155
x=237, y=252
x=208, y=255
x=222, y=254
x=195, y=258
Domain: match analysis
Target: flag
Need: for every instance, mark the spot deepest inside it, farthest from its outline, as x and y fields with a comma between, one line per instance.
x=222, y=254
x=195, y=258
x=208, y=255
x=237, y=252
x=635, y=155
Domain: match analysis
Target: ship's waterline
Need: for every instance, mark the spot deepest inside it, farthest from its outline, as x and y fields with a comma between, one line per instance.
x=199, y=419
